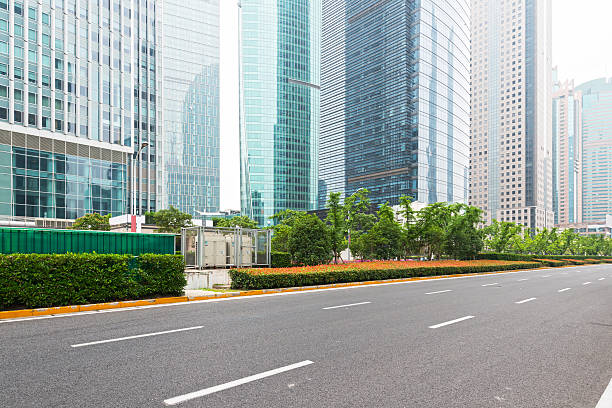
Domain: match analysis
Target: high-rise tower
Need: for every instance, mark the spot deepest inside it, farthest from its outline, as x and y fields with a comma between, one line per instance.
x=395, y=100
x=511, y=143
x=567, y=152
x=280, y=64
x=596, y=149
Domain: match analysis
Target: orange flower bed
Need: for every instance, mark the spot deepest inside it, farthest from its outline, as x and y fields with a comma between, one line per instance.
x=380, y=265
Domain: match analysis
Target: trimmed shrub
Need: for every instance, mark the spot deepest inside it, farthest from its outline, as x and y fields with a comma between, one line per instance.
x=505, y=257
x=45, y=280
x=268, y=279
x=281, y=259
x=552, y=262
x=161, y=275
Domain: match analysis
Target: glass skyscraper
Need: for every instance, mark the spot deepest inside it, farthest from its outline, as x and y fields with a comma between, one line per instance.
x=566, y=152
x=395, y=100
x=280, y=63
x=189, y=105
x=596, y=149
x=79, y=90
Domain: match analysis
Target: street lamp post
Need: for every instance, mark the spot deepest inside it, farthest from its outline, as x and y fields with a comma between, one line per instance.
x=135, y=160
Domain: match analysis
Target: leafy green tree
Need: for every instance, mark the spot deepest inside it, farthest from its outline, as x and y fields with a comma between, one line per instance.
x=285, y=220
x=411, y=238
x=499, y=235
x=358, y=219
x=566, y=241
x=241, y=221
x=171, y=220
x=384, y=239
x=337, y=224
x=309, y=241
x=94, y=222
x=463, y=239
x=431, y=228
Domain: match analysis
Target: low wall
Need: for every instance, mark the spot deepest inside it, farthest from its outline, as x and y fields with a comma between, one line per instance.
x=199, y=279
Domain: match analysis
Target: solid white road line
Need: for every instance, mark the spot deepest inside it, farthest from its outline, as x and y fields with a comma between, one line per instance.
x=601, y=278
x=563, y=290
x=606, y=398
x=524, y=279
x=586, y=283
x=136, y=337
x=349, y=305
x=546, y=276
x=231, y=384
x=490, y=284
x=435, y=326
x=525, y=301
x=440, y=291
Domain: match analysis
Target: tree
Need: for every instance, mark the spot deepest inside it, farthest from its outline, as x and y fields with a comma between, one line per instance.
x=499, y=235
x=358, y=218
x=241, y=221
x=285, y=220
x=94, y=222
x=411, y=237
x=463, y=239
x=309, y=241
x=431, y=228
x=384, y=239
x=337, y=224
x=171, y=220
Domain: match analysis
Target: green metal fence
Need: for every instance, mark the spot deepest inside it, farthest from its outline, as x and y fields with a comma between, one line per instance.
x=51, y=241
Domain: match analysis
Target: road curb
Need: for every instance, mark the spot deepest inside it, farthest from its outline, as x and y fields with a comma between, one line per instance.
x=12, y=314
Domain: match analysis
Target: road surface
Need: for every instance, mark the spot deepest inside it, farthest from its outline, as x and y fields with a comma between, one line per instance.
x=540, y=338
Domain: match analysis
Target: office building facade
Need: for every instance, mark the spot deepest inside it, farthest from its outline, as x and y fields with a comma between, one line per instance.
x=567, y=152
x=189, y=105
x=395, y=100
x=596, y=149
x=78, y=96
x=511, y=125
x=280, y=72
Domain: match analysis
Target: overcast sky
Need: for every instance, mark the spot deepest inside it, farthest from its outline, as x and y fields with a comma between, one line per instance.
x=582, y=31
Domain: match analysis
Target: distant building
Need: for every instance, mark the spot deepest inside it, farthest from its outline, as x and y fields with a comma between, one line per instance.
x=280, y=63
x=603, y=227
x=395, y=100
x=596, y=149
x=567, y=152
x=511, y=143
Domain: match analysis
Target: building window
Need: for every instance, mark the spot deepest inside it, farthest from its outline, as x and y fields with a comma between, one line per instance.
x=18, y=117
x=3, y=113
x=59, y=104
x=3, y=91
x=18, y=30
x=32, y=98
x=58, y=124
x=18, y=94
x=32, y=13
x=4, y=25
x=3, y=69
x=18, y=73
x=32, y=119
x=32, y=77
x=3, y=47
x=18, y=52
x=46, y=101
x=32, y=35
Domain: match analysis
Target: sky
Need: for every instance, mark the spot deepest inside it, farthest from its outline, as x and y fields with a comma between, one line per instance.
x=581, y=50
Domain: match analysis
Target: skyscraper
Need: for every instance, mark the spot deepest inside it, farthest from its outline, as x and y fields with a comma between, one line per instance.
x=596, y=149
x=189, y=105
x=280, y=71
x=80, y=93
x=567, y=152
x=511, y=144
x=395, y=100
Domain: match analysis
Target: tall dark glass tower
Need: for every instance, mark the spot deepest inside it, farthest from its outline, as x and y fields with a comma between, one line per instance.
x=395, y=99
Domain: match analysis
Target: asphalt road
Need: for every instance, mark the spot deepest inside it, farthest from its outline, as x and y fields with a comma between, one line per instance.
x=505, y=340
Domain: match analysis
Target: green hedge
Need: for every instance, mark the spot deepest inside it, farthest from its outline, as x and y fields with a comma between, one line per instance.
x=281, y=259
x=529, y=257
x=244, y=280
x=45, y=280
